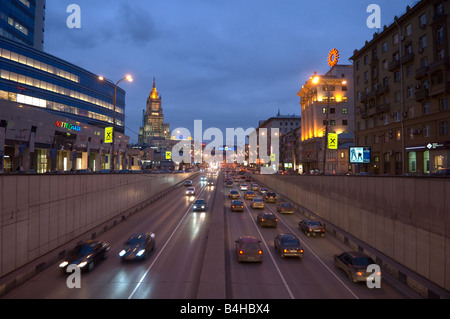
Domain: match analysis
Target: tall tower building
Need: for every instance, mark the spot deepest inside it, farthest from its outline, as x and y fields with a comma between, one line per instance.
x=153, y=125
x=23, y=21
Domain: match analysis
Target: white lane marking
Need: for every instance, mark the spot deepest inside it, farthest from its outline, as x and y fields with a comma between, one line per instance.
x=312, y=252
x=270, y=254
x=162, y=249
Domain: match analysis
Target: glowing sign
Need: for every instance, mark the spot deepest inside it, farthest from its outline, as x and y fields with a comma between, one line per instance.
x=333, y=57
x=108, y=134
x=68, y=126
x=332, y=141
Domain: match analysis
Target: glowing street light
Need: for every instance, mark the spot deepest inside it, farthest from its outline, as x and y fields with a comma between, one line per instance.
x=128, y=78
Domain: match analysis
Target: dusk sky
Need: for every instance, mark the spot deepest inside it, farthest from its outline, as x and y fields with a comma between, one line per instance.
x=229, y=63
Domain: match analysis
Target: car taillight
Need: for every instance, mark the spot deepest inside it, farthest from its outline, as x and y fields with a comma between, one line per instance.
x=241, y=252
x=301, y=250
x=359, y=273
x=260, y=252
x=310, y=229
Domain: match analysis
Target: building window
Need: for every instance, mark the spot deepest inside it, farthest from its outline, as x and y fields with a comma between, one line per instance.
x=344, y=122
x=410, y=91
x=408, y=29
x=440, y=36
x=423, y=21
x=423, y=42
x=384, y=47
x=395, y=39
x=332, y=122
x=426, y=108
x=443, y=128
x=398, y=135
x=444, y=103
x=344, y=110
x=426, y=130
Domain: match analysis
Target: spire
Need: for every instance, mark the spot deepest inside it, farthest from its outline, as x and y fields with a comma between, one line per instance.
x=154, y=93
x=154, y=85
x=278, y=112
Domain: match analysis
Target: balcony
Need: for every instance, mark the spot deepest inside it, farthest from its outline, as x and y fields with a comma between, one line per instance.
x=442, y=63
x=422, y=94
x=383, y=89
x=440, y=88
x=394, y=65
x=383, y=108
x=422, y=72
x=407, y=58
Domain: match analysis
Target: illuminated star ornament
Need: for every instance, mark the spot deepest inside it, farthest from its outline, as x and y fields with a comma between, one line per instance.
x=333, y=57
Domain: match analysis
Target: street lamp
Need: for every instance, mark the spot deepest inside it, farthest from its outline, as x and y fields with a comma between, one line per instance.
x=128, y=78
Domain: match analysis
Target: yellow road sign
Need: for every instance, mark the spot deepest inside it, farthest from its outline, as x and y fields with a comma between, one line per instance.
x=168, y=155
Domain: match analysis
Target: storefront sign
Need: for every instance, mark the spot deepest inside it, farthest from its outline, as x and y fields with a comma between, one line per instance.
x=108, y=134
x=332, y=141
x=68, y=126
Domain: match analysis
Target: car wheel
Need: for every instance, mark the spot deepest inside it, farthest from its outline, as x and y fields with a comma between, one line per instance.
x=350, y=275
x=91, y=266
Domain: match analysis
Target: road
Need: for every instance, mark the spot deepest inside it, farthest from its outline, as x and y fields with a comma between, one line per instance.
x=174, y=269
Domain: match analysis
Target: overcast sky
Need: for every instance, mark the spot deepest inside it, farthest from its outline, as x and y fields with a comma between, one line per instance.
x=229, y=63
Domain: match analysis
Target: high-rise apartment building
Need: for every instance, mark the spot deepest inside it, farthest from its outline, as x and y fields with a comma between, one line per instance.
x=23, y=21
x=402, y=88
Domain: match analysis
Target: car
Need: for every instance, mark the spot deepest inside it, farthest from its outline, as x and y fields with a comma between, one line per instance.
x=86, y=254
x=244, y=187
x=138, y=246
x=210, y=182
x=285, y=208
x=190, y=191
x=288, y=245
x=310, y=227
x=249, y=195
x=270, y=197
x=354, y=264
x=203, y=179
x=248, y=249
x=267, y=219
x=263, y=190
x=256, y=187
x=237, y=206
x=257, y=203
x=233, y=194
x=199, y=205
x=188, y=183
x=229, y=183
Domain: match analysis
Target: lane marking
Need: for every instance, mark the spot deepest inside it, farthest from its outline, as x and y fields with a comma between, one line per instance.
x=270, y=254
x=162, y=249
x=314, y=254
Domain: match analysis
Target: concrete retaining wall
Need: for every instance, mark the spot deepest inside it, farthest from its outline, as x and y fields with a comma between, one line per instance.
x=406, y=219
x=42, y=214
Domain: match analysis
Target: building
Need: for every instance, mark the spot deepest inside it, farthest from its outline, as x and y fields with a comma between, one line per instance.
x=290, y=151
x=30, y=77
x=327, y=104
x=153, y=125
x=23, y=21
x=283, y=124
x=402, y=87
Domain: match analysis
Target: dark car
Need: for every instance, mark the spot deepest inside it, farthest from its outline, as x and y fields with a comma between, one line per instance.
x=288, y=245
x=86, y=254
x=233, y=195
x=229, y=183
x=267, y=219
x=310, y=227
x=237, y=206
x=199, y=205
x=203, y=179
x=138, y=246
x=285, y=208
x=248, y=249
x=188, y=183
x=210, y=182
x=354, y=264
x=270, y=197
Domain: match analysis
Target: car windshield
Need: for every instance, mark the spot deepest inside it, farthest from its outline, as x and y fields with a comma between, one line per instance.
x=199, y=202
x=363, y=261
x=257, y=200
x=237, y=202
x=135, y=240
x=315, y=223
x=286, y=205
x=289, y=240
x=82, y=250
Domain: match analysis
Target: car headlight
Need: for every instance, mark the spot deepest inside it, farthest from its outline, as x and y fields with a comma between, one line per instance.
x=195, y=206
x=141, y=252
x=203, y=206
x=82, y=264
x=122, y=252
x=63, y=264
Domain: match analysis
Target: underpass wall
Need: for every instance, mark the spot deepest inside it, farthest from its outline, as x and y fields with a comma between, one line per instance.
x=405, y=218
x=42, y=214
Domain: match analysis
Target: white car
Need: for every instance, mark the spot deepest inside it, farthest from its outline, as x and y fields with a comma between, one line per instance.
x=190, y=191
x=244, y=187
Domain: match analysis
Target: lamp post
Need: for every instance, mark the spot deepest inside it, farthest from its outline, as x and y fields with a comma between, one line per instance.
x=128, y=78
x=316, y=80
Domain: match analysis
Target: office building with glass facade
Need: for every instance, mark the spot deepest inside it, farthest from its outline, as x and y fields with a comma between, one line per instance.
x=23, y=21
x=33, y=78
